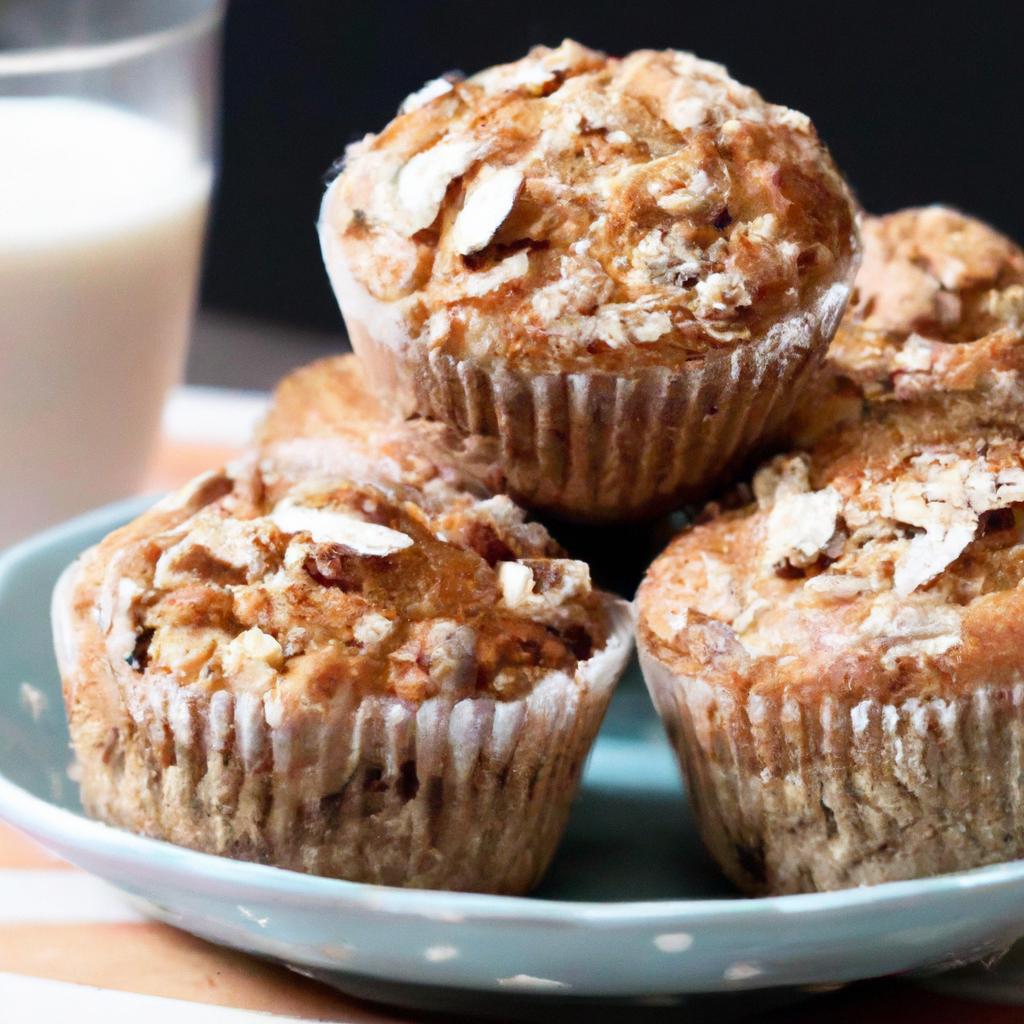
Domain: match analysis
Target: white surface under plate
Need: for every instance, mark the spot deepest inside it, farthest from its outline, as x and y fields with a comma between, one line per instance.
x=631, y=909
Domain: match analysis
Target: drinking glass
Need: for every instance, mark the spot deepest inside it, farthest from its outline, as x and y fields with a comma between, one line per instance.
x=107, y=125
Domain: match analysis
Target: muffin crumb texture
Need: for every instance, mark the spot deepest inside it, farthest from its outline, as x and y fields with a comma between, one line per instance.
x=337, y=581
x=571, y=209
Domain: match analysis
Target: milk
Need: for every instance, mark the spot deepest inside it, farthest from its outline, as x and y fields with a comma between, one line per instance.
x=101, y=228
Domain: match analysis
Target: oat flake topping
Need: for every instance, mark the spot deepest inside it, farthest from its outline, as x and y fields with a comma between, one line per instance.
x=654, y=208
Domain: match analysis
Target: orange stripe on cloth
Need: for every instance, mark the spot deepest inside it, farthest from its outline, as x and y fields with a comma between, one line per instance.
x=18, y=851
x=155, y=959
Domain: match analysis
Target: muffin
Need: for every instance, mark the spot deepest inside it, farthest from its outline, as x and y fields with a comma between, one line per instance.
x=326, y=420
x=321, y=674
x=936, y=321
x=609, y=277
x=838, y=664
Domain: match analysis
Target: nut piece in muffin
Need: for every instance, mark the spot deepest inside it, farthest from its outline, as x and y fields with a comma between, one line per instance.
x=936, y=321
x=317, y=674
x=608, y=276
x=838, y=665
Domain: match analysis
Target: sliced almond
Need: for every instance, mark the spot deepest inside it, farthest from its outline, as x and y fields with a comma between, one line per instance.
x=485, y=210
x=423, y=181
x=434, y=88
x=329, y=527
x=515, y=266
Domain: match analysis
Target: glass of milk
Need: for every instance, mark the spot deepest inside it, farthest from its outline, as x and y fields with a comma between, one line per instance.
x=107, y=117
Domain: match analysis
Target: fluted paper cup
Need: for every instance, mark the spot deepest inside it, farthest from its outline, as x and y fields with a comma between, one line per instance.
x=593, y=445
x=465, y=794
x=798, y=792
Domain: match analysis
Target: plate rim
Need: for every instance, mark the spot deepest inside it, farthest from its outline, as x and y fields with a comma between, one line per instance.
x=72, y=832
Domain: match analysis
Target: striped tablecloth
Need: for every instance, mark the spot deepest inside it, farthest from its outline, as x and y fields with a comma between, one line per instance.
x=72, y=950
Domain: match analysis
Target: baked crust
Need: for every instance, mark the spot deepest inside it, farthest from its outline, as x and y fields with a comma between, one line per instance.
x=575, y=212
x=838, y=664
x=937, y=317
x=379, y=679
x=329, y=579
x=325, y=420
x=608, y=277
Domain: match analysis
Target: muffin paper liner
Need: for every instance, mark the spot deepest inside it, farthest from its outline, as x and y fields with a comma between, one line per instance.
x=594, y=446
x=469, y=794
x=793, y=794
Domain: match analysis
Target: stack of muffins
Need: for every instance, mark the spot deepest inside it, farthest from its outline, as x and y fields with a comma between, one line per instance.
x=596, y=288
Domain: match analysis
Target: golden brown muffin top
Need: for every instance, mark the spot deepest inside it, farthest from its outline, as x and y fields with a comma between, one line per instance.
x=886, y=561
x=934, y=272
x=574, y=210
x=937, y=316
x=325, y=420
x=253, y=583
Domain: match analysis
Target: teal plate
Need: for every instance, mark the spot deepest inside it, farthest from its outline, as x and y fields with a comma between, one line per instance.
x=631, y=910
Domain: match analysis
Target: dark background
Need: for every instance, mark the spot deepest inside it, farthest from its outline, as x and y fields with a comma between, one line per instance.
x=919, y=104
